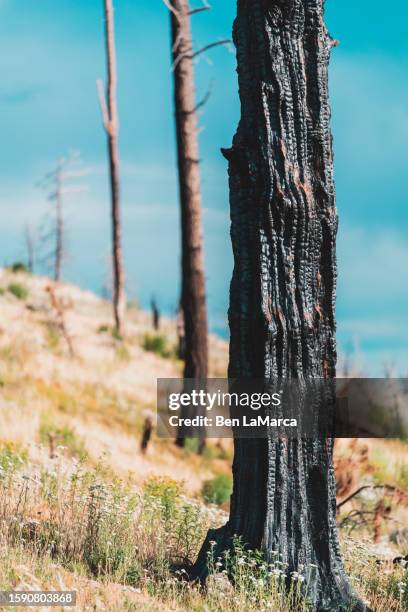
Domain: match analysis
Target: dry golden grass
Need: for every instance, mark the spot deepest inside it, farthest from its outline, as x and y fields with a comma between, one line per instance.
x=103, y=393
x=96, y=403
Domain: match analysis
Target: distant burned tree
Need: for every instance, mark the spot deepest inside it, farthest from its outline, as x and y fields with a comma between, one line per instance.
x=52, y=234
x=146, y=434
x=193, y=293
x=111, y=124
x=282, y=301
x=155, y=314
x=193, y=296
x=30, y=244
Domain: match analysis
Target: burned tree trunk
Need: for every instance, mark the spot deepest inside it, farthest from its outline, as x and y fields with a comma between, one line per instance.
x=146, y=435
x=282, y=299
x=111, y=124
x=155, y=315
x=193, y=298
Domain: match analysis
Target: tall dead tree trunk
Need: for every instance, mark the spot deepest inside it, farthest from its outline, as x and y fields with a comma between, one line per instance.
x=193, y=298
x=282, y=318
x=111, y=124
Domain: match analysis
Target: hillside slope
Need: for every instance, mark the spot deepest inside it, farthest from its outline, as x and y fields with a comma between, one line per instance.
x=82, y=508
x=103, y=392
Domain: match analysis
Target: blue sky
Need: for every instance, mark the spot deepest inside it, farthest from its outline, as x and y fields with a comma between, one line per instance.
x=51, y=53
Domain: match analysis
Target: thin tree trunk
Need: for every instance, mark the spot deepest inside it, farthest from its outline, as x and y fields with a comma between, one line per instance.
x=110, y=115
x=193, y=279
x=29, y=241
x=282, y=318
x=59, y=225
x=193, y=297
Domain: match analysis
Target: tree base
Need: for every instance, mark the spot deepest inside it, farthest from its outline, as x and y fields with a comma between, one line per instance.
x=336, y=599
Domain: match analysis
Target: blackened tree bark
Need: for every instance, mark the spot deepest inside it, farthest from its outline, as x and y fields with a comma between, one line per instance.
x=193, y=298
x=111, y=124
x=282, y=298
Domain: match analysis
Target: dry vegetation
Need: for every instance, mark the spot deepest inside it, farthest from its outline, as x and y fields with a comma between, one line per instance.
x=81, y=507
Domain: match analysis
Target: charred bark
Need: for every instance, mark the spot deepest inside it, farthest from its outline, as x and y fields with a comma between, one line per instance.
x=111, y=124
x=282, y=296
x=193, y=297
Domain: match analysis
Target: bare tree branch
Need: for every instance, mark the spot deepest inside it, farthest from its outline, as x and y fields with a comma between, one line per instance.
x=204, y=101
x=195, y=54
x=363, y=488
x=53, y=227
x=207, y=7
x=177, y=43
x=171, y=8
x=103, y=105
x=226, y=41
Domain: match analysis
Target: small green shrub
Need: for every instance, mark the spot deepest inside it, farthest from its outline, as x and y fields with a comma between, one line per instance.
x=64, y=436
x=169, y=516
x=191, y=445
x=103, y=329
x=18, y=290
x=2, y=291
x=18, y=266
x=157, y=343
x=166, y=490
x=218, y=489
x=213, y=451
x=12, y=458
x=116, y=335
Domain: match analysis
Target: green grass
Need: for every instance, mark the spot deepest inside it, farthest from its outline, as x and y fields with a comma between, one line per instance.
x=18, y=290
x=116, y=335
x=218, y=490
x=12, y=457
x=158, y=344
x=63, y=436
x=98, y=527
x=91, y=401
